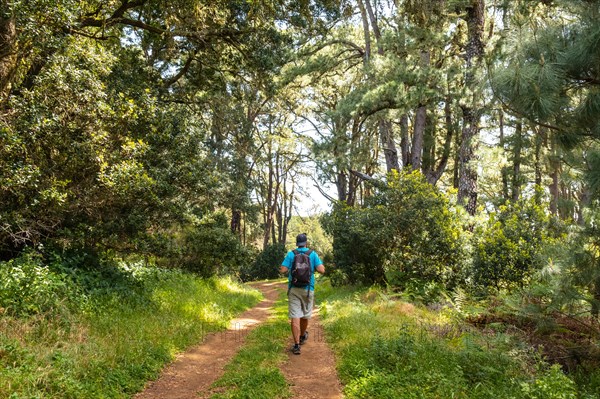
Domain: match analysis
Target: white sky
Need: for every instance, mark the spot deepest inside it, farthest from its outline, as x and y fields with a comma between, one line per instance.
x=310, y=200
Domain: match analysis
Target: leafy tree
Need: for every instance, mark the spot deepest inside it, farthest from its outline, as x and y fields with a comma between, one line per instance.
x=109, y=111
x=317, y=238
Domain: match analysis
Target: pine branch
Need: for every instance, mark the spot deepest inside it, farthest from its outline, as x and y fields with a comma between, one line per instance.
x=369, y=179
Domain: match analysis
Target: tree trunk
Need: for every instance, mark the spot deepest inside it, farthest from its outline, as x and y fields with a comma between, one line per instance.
x=434, y=175
x=288, y=214
x=596, y=293
x=404, y=141
x=516, y=176
x=272, y=196
x=501, y=125
x=505, y=176
x=273, y=230
x=539, y=139
x=8, y=54
x=268, y=206
x=554, y=194
x=504, y=170
x=375, y=26
x=236, y=222
x=456, y=162
x=366, y=32
x=554, y=161
x=584, y=200
x=280, y=216
x=417, y=139
x=342, y=185
x=420, y=123
x=389, y=147
x=467, y=184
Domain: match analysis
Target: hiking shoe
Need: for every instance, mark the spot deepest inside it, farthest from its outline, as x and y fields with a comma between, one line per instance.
x=304, y=338
x=296, y=349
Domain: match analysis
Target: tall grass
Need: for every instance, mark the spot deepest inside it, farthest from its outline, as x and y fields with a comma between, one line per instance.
x=114, y=339
x=387, y=348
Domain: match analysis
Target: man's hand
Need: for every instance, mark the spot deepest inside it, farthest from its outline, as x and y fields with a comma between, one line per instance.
x=320, y=269
x=283, y=269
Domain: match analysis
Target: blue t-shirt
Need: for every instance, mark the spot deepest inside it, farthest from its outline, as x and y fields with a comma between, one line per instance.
x=314, y=262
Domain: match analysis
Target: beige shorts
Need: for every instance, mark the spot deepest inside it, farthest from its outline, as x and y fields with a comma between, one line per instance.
x=299, y=305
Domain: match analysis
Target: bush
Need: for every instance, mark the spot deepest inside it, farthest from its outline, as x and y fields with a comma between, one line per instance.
x=406, y=232
x=508, y=248
x=266, y=265
x=358, y=244
x=552, y=385
x=210, y=248
x=27, y=286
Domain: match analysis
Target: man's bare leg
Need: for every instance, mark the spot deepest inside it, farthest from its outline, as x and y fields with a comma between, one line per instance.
x=295, y=323
x=303, y=327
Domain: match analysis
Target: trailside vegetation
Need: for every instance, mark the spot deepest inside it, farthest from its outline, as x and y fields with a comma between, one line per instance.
x=105, y=331
x=388, y=347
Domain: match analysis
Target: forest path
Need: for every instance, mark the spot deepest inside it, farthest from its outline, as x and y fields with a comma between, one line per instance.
x=311, y=375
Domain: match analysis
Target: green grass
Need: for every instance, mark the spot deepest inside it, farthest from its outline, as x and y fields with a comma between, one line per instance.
x=113, y=345
x=389, y=348
x=254, y=372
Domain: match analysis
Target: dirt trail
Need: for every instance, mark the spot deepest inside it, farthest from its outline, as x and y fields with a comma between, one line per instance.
x=312, y=374
x=192, y=373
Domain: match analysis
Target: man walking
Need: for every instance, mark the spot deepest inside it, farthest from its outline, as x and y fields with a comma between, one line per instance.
x=300, y=266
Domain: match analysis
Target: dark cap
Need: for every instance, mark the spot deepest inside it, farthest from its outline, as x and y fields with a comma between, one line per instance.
x=301, y=240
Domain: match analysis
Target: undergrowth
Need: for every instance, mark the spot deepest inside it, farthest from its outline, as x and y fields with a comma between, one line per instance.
x=110, y=335
x=390, y=348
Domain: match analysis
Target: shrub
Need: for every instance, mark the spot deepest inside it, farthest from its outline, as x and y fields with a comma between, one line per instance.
x=358, y=243
x=580, y=273
x=210, y=248
x=266, y=265
x=27, y=286
x=508, y=248
x=406, y=232
x=551, y=385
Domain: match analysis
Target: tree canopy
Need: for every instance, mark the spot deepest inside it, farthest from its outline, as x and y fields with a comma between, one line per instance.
x=143, y=127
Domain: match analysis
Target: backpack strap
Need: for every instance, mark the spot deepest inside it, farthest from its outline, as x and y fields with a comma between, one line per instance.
x=307, y=253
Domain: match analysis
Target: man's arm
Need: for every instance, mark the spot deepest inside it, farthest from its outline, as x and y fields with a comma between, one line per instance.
x=320, y=269
x=287, y=263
